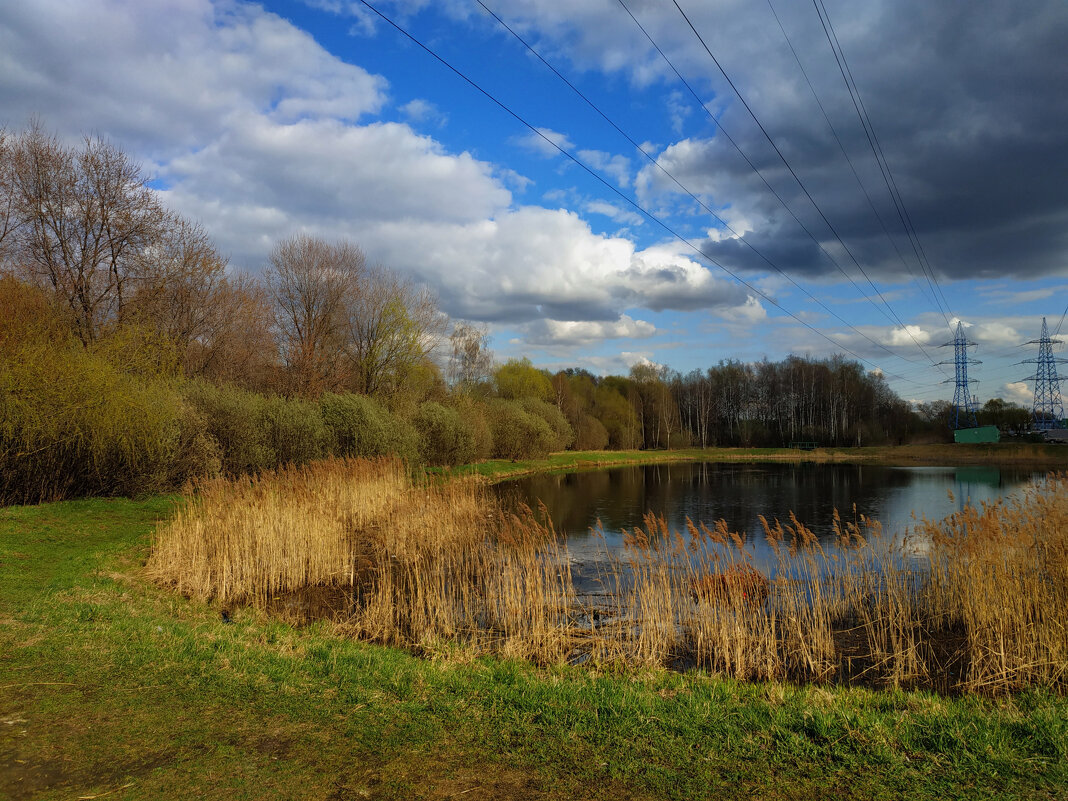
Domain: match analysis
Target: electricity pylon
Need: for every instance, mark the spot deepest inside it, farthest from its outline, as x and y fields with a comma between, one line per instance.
x=1048, y=411
x=964, y=403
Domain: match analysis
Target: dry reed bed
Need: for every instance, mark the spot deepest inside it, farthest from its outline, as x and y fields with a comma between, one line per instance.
x=247, y=539
x=978, y=601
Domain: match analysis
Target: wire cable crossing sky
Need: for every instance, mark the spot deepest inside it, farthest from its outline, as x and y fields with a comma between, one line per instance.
x=585, y=199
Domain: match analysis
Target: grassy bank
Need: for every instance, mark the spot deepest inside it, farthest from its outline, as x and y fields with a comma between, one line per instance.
x=110, y=685
x=1023, y=454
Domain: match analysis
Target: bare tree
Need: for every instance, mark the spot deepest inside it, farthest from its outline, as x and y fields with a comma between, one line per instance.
x=218, y=324
x=7, y=195
x=393, y=325
x=83, y=217
x=181, y=276
x=237, y=344
x=313, y=285
x=343, y=325
x=471, y=359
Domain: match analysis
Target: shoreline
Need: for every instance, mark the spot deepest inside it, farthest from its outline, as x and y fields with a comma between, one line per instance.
x=1034, y=455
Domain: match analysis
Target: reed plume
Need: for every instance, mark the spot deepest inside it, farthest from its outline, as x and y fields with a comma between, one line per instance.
x=978, y=601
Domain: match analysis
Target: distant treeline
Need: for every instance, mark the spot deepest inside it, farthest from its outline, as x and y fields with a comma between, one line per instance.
x=132, y=359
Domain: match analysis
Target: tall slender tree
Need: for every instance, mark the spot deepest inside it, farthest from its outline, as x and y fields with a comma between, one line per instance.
x=83, y=217
x=312, y=284
x=392, y=325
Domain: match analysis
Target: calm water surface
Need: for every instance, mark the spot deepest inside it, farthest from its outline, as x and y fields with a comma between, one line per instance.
x=618, y=498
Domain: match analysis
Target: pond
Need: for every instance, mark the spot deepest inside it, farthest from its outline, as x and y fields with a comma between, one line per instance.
x=618, y=498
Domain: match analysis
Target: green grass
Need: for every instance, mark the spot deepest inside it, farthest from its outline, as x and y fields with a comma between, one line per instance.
x=1028, y=454
x=567, y=461
x=109, y=685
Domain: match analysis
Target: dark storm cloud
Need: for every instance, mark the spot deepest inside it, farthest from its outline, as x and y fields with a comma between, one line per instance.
x=659, y=290
x=518, y=308
x=969, y=106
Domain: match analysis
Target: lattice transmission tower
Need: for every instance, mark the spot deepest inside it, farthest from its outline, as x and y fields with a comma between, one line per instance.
x=964, y=403
x=1048, y=410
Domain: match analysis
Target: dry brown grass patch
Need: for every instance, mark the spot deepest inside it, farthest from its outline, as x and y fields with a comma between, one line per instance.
x=978, y=601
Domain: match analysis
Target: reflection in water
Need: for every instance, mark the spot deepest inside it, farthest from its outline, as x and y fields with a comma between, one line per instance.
x=738, y=493
x=985, y=475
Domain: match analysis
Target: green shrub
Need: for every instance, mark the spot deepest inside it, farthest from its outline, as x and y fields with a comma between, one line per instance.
x=517, y=434
x=257, y=432
x=563, y=434
x=617, y=416
x=518, y=378
x=236, y=420
x=359, y=426
x=590, y=435
x=444, y=437
x=72, y=424
x=475, y=414
x=76, y=421
x=198, y=453
x=294, y=430
x=680, y=440
x=478, y=419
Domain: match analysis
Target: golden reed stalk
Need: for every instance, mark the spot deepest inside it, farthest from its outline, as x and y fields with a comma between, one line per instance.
x=978, y=601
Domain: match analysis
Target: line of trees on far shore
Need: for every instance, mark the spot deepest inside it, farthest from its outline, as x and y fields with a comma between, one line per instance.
x=132, y=358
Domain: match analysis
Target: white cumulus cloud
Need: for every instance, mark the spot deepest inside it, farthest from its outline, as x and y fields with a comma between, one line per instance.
x=1020, y=393
x=906, y=336
x=616, y=167
x=546, y=142
x=587, y=332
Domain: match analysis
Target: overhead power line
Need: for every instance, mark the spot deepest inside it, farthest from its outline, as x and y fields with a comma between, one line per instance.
x=797, y=178
x=876, y=146
x=856, y=175
x=593, y=173
x=726, y=134
x=656, y=163
x=1055, y=333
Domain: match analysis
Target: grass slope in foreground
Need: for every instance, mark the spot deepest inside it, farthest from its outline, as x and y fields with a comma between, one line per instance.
x=109, y=685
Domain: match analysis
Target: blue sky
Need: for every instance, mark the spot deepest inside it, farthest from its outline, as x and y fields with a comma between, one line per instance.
x=263, y=120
